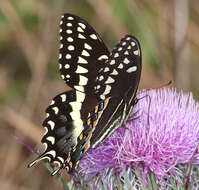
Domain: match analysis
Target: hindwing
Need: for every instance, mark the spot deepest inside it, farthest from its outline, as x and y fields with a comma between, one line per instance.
x=63, y=125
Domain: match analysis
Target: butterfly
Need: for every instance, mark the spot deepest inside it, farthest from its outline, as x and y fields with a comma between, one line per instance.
x=104, y=86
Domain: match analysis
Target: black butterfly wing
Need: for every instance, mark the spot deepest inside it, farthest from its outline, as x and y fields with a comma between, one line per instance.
x=122, y=71
x=116, y=86
x=63, y=124
x=118, y=81
x=82, y=53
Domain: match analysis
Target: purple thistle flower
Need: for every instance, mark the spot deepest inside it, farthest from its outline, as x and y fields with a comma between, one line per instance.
x=155, y=142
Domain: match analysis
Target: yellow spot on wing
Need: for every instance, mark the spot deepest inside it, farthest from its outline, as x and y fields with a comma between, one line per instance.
x=88, y=122
x=81, y=136
x=68, y=159
x=94, y=123
x=96, y=109
x=86, y=147
x=71, y=164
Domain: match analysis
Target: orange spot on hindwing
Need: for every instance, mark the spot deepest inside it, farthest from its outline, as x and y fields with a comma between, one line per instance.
x=70, y=164
x=81, y=136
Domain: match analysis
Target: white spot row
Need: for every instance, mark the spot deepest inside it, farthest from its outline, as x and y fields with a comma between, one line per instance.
x=56, y=109
x=67, y=66
x=51, y=139
x=124, y=43
x=116, y=55
x=81, y=60
x=106, y=69
x=76, y=106
x=79, y=88
x=52, y=124
x=68, y=56
x=120, y=48
x=52, y=153
x=126, y=53
x=126, y=61
x=46, y=130
x=69, y=31
x=81, y=36
x=107, y=90
x=85, y=53
x=71, y=47
x=93, y=36
x=70, y=18
x=133, y=44
x=83, y=80
x=82, y=25
x=112, y=62
x=98, y=87
x=61, y=159
x=109, y=80
x=81, y=69
x=63, y=97
x=80, y=96
x=69, y=39
x=76, y=117
x=103, y=57
x=52, y=102
x=102, y=97
x=79, y=29
x=120, y=66
x=114, y=72
x=131, y=69
x=69, y=24
x=87, y=46
x=136, y=52
x=101, y=78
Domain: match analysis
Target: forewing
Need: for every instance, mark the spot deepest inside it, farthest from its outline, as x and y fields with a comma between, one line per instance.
x=82, y=53
x=122, y=71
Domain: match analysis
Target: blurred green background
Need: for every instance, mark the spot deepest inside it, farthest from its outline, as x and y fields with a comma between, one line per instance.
x=29, y=77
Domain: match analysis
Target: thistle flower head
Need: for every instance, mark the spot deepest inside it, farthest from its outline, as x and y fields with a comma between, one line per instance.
x=155, y=141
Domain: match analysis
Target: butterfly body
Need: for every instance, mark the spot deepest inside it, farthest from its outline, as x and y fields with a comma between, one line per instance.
x=103, y=94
